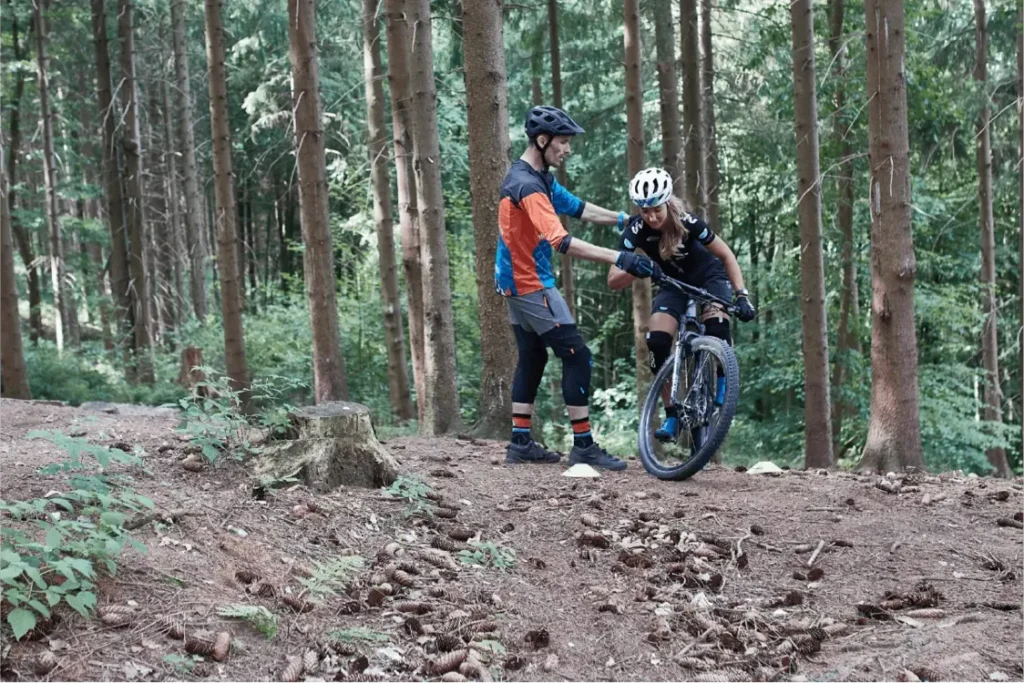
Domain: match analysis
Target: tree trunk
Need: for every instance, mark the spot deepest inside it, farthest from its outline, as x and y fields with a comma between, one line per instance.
x=133, y=181
x=712, y=180
x=119, y=278
x=441, y=412
x=489, y=148
x=671, y=143
x=164, y=232
x=817, y=419
x=12, y=358
x=58, y=275
x=174, y=215
x=894, y=428
x=567, y=272
x=329, y=380
x=1020, y=192
x=847, y=339
x=23, y=238
x=641, y=288
x=193, y=206
x=693, y=176
x=989, y=337
x=398, y=378
x=227, y=255
x=399, y=38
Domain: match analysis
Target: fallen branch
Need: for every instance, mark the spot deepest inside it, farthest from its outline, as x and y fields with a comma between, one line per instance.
x=814, y=555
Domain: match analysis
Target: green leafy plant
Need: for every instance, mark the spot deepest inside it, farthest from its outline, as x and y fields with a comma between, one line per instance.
x=358, y=634
x=414, y=491
x=213, y=421
x=52, y=556
x=331, y=576
x=261, y=618
x=181, y=663
x=488, y=554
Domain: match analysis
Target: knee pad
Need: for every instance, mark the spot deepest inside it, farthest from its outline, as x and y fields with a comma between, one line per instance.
x=577, y=360
x=659, y=346
x=718, y=327
x=533, y=356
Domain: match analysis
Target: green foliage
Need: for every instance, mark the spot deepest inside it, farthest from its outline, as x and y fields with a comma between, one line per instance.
x=51, y=552
x=331, y=576
x=356, y=635
x=413, y=491
x=182, y=664
x=261, y=618
x=488, y=554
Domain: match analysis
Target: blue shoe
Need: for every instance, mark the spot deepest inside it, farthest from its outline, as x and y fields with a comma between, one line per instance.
x=532, y=452
x=720, y=396
x=595, y=456
x=669, y=430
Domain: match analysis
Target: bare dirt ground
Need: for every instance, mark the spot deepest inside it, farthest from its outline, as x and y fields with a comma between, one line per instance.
x=619, y=578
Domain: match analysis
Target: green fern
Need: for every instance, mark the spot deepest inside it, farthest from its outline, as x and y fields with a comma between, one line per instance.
x=261, y=618
x=332, y=576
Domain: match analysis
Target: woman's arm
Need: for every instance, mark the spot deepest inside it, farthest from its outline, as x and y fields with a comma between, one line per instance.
x=719, y=248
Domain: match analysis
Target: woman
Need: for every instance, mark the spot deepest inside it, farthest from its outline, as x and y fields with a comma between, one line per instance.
x=686, y=249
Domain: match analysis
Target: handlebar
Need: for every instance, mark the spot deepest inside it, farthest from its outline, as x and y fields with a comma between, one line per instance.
x=697, y=293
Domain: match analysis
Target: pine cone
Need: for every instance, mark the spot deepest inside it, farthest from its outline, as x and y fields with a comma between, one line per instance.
x=222, y=646
x=446, y=513
x=446, y=642
x=836, y=630
x=453, y=677
x=199, y=646
x=927, y=674
x=262, y=589
x=441, y=593
x=446, y=544
x=413, y=607
x=44, y=663
x=116, y=615
x=310, y=661
x=293, y=671
x=460, y=533
x=446, y=662
x=298, y=604
x=593, y=538
x=402, y=578
x=247, y=576
x=174, y=629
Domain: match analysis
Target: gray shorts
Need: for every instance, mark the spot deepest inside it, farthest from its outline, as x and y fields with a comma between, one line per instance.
x=539, y=312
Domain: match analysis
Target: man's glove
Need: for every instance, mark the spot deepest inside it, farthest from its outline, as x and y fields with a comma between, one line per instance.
x=638, y=266
x=746, y=310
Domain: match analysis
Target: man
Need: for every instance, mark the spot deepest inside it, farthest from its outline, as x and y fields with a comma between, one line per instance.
x=531, y=200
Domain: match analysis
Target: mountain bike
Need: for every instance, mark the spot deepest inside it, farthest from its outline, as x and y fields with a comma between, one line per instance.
x=689, y=381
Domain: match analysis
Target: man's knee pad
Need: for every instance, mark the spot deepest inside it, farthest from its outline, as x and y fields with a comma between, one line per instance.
x=533, y=356
x=659, y=344
x=568, y=345
x=718, y=327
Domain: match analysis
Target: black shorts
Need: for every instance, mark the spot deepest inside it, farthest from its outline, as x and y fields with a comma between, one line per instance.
x=672, y=301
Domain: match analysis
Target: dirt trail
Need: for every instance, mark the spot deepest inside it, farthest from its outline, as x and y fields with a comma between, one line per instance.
x=631, y=578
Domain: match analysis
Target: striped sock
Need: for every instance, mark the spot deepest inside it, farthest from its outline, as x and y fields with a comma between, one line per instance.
x=581, y=433
x=521, y=429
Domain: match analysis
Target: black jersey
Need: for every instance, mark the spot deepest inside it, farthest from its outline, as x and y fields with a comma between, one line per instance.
x=692, y=262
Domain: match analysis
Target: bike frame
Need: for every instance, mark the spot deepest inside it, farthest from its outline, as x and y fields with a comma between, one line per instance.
x=689, y=326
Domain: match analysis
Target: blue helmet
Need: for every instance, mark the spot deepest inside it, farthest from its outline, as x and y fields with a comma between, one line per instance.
x=552, y=121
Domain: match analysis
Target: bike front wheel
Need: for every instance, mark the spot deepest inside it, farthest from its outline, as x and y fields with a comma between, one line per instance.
x=704, y=422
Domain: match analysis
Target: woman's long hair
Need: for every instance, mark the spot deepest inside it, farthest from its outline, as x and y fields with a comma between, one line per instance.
x=673, y=232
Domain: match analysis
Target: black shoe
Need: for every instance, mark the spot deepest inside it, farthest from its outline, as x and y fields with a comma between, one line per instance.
x=532, y=452
x=595, y=456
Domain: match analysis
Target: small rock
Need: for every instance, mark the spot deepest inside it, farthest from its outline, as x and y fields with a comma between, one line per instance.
x=998, y=676
x=551, y=663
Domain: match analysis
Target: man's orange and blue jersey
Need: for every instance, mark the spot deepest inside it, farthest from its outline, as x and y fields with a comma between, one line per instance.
x=528, y=211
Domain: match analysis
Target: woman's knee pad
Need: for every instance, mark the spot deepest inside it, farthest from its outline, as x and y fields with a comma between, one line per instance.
x=718, y=327
x=659, y=344
x=568, y=345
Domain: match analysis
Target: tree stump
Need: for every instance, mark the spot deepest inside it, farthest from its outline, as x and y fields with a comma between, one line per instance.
x=189, y=374
x=331, y=445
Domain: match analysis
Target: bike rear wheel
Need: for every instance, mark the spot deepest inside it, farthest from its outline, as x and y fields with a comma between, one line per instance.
x=704, y=424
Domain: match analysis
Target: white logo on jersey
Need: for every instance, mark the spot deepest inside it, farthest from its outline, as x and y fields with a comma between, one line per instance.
x=689, y=218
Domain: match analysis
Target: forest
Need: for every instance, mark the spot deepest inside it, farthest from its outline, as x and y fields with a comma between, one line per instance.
x=280, y=189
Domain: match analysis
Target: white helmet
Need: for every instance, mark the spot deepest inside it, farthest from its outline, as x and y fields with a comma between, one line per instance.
x=651, y=187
